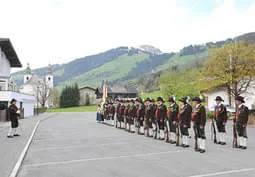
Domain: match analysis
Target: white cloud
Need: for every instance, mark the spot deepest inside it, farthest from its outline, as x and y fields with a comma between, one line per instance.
x=61, y=30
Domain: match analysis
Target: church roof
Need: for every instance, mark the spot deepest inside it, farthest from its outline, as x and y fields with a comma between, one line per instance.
x=10, y=53
x=33, y=81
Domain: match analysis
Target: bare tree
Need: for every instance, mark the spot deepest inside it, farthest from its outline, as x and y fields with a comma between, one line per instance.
x=44, y=93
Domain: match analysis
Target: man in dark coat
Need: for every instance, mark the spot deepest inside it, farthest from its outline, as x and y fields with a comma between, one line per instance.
x=199, y=119
x=154, y=121
x=149, y=114
x=132, y=115
x=161, y=116
x=140, y=116
x=220, y=116
x=185, y=117
x=242, y=116
x=172, y=114
x=14, y=114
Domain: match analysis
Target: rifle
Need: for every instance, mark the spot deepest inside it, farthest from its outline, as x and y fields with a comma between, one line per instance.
x=234, y=130
x=214, y=132
x=167, y=131
x=177, y=133
x=196, y=145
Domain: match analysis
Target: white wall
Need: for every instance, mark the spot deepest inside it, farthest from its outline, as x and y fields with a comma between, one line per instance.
x=28, y=101
x=5, y=67
x=249, y=97
x=28, y=108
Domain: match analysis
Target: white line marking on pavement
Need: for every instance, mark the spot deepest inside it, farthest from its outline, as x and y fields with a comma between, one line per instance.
x=224, y=172
x=76, y=147
x=23, y=153
x=101, y=158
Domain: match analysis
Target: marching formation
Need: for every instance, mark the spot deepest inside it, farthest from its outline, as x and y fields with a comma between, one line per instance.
x=171, y=122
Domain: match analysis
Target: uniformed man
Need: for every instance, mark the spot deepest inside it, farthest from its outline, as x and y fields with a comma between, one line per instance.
x=199, y=120
x=154, y=121
x=111, y=112
x=106, y=111
x=242, y=116
x=221, y=116
x=140, y=116
x=149, y=114
x=161, y=116
x=126, y=115
x=172, y=114
x=132, y=115
x=117, y=112
x=121, y=114
x=185, y=118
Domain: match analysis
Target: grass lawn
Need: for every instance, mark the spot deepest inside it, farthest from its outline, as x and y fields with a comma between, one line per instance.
x=91, y=108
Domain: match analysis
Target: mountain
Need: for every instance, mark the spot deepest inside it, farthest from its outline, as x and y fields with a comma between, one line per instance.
x=123, y=64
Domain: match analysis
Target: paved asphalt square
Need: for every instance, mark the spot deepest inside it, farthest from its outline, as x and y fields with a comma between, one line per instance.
x=74, y=145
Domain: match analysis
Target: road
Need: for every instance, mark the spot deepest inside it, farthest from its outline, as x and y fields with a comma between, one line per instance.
x=74, y=145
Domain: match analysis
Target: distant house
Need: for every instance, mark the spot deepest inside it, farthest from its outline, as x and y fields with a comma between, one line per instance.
x=118, y=92
x=88, y=96
x=211, y=94
x=8, y=89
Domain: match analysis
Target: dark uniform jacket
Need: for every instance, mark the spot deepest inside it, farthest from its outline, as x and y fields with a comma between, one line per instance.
x=141, y=111
x=172, y=112
x=161, y=112
x=221, y=113
x=132, y=111
x=199, y=115
x=243, y=115
x=111, y=110
x=185, y=115
x=121, y=110
x=13, y=115
x=149, y=112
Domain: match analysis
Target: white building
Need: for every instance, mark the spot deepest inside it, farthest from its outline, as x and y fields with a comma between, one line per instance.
x=38, y=87
x=8, y=88
x=210, y=95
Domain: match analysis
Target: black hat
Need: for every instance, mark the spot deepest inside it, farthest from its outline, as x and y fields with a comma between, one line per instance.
x=196, y=99
x=13, y=100
x=171, y=99
x=218, y=98
x=147, y=99
x=137, y=99
x=132, y=101
x=240, y=98
x=184, y=100
x=153, y=101
x=160, y=99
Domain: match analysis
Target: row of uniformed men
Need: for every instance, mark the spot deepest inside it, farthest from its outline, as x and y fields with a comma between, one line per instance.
x=169, y=123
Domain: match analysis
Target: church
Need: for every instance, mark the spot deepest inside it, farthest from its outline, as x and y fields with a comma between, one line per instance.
x=40, y=88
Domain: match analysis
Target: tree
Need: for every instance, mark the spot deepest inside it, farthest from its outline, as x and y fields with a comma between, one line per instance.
x=70, y=96
x=55, y=96
x=232, y=66
x=44, y=93
x=180, y=83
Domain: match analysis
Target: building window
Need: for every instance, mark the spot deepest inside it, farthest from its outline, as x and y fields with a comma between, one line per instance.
x=48, y=78
x=27, y=78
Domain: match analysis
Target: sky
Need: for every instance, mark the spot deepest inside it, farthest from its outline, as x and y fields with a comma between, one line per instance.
x=58, y=31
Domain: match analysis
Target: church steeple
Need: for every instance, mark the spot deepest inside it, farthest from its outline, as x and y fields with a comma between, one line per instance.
x=49, y=77
x=27, y=73
x=49, y=70
x=28, y=69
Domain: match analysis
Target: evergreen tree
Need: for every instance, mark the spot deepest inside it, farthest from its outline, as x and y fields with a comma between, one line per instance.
x=70, y=96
